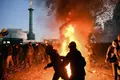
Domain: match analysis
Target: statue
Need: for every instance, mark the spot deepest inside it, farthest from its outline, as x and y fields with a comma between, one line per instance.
x=3, y=33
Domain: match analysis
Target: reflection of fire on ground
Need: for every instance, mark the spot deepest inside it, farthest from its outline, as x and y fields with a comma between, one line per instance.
x=99, y=73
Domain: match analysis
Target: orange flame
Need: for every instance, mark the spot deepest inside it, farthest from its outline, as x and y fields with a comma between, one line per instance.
x=70, y=32
x=68, y=36
x=68, y=70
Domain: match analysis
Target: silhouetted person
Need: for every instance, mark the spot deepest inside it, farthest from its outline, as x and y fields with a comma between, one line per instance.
x=29, y=54
x=9, y=57
x=56, y=63
x=36, y=53
x=77, y=62
x=2, y=62
x=117, y=52
x=111, y=57
x=17, y=52
x=24, y=54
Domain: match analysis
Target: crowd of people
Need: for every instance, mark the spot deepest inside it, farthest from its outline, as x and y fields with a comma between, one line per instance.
x=14, y=55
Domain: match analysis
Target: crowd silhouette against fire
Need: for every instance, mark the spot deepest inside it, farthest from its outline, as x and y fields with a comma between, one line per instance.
x=17, y=55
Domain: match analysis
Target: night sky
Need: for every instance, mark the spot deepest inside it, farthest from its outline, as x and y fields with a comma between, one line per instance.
x=15, y=14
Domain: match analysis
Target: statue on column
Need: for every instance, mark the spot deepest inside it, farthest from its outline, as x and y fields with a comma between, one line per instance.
x=3, y=33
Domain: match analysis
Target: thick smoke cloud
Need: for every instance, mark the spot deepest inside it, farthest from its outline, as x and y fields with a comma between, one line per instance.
x=81, y=13
x=62, y=7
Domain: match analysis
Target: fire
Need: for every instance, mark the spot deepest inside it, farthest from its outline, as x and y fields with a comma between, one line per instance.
x=68, y=33
x=68, y=70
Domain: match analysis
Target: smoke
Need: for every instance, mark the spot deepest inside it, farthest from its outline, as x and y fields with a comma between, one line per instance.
x=81, y=16
x=63, y=7
x=81, y=13
x=47, y=24
x=38, y=2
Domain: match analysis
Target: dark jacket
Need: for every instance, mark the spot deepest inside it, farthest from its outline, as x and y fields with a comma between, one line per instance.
x=58, y=66
x=77, y=63
x=55, y=61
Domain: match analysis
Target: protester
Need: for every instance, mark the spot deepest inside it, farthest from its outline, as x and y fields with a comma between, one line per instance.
x=77, y=62
x=36, y=59
x=17, y=52
x=111, y=57
x=29, y=54
x=56, y=63
x=2, y=62
x=117, y=52
x=9, y=57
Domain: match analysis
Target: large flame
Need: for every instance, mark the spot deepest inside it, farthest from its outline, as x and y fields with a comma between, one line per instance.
x=68, y=33
x=77, y=31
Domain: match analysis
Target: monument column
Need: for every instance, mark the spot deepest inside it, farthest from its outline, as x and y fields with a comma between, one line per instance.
x=31, y=35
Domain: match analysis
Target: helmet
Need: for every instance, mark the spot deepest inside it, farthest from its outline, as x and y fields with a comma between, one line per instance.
x=72, y=45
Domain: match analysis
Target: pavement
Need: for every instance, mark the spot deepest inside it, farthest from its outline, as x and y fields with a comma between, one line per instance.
x=37, y=72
